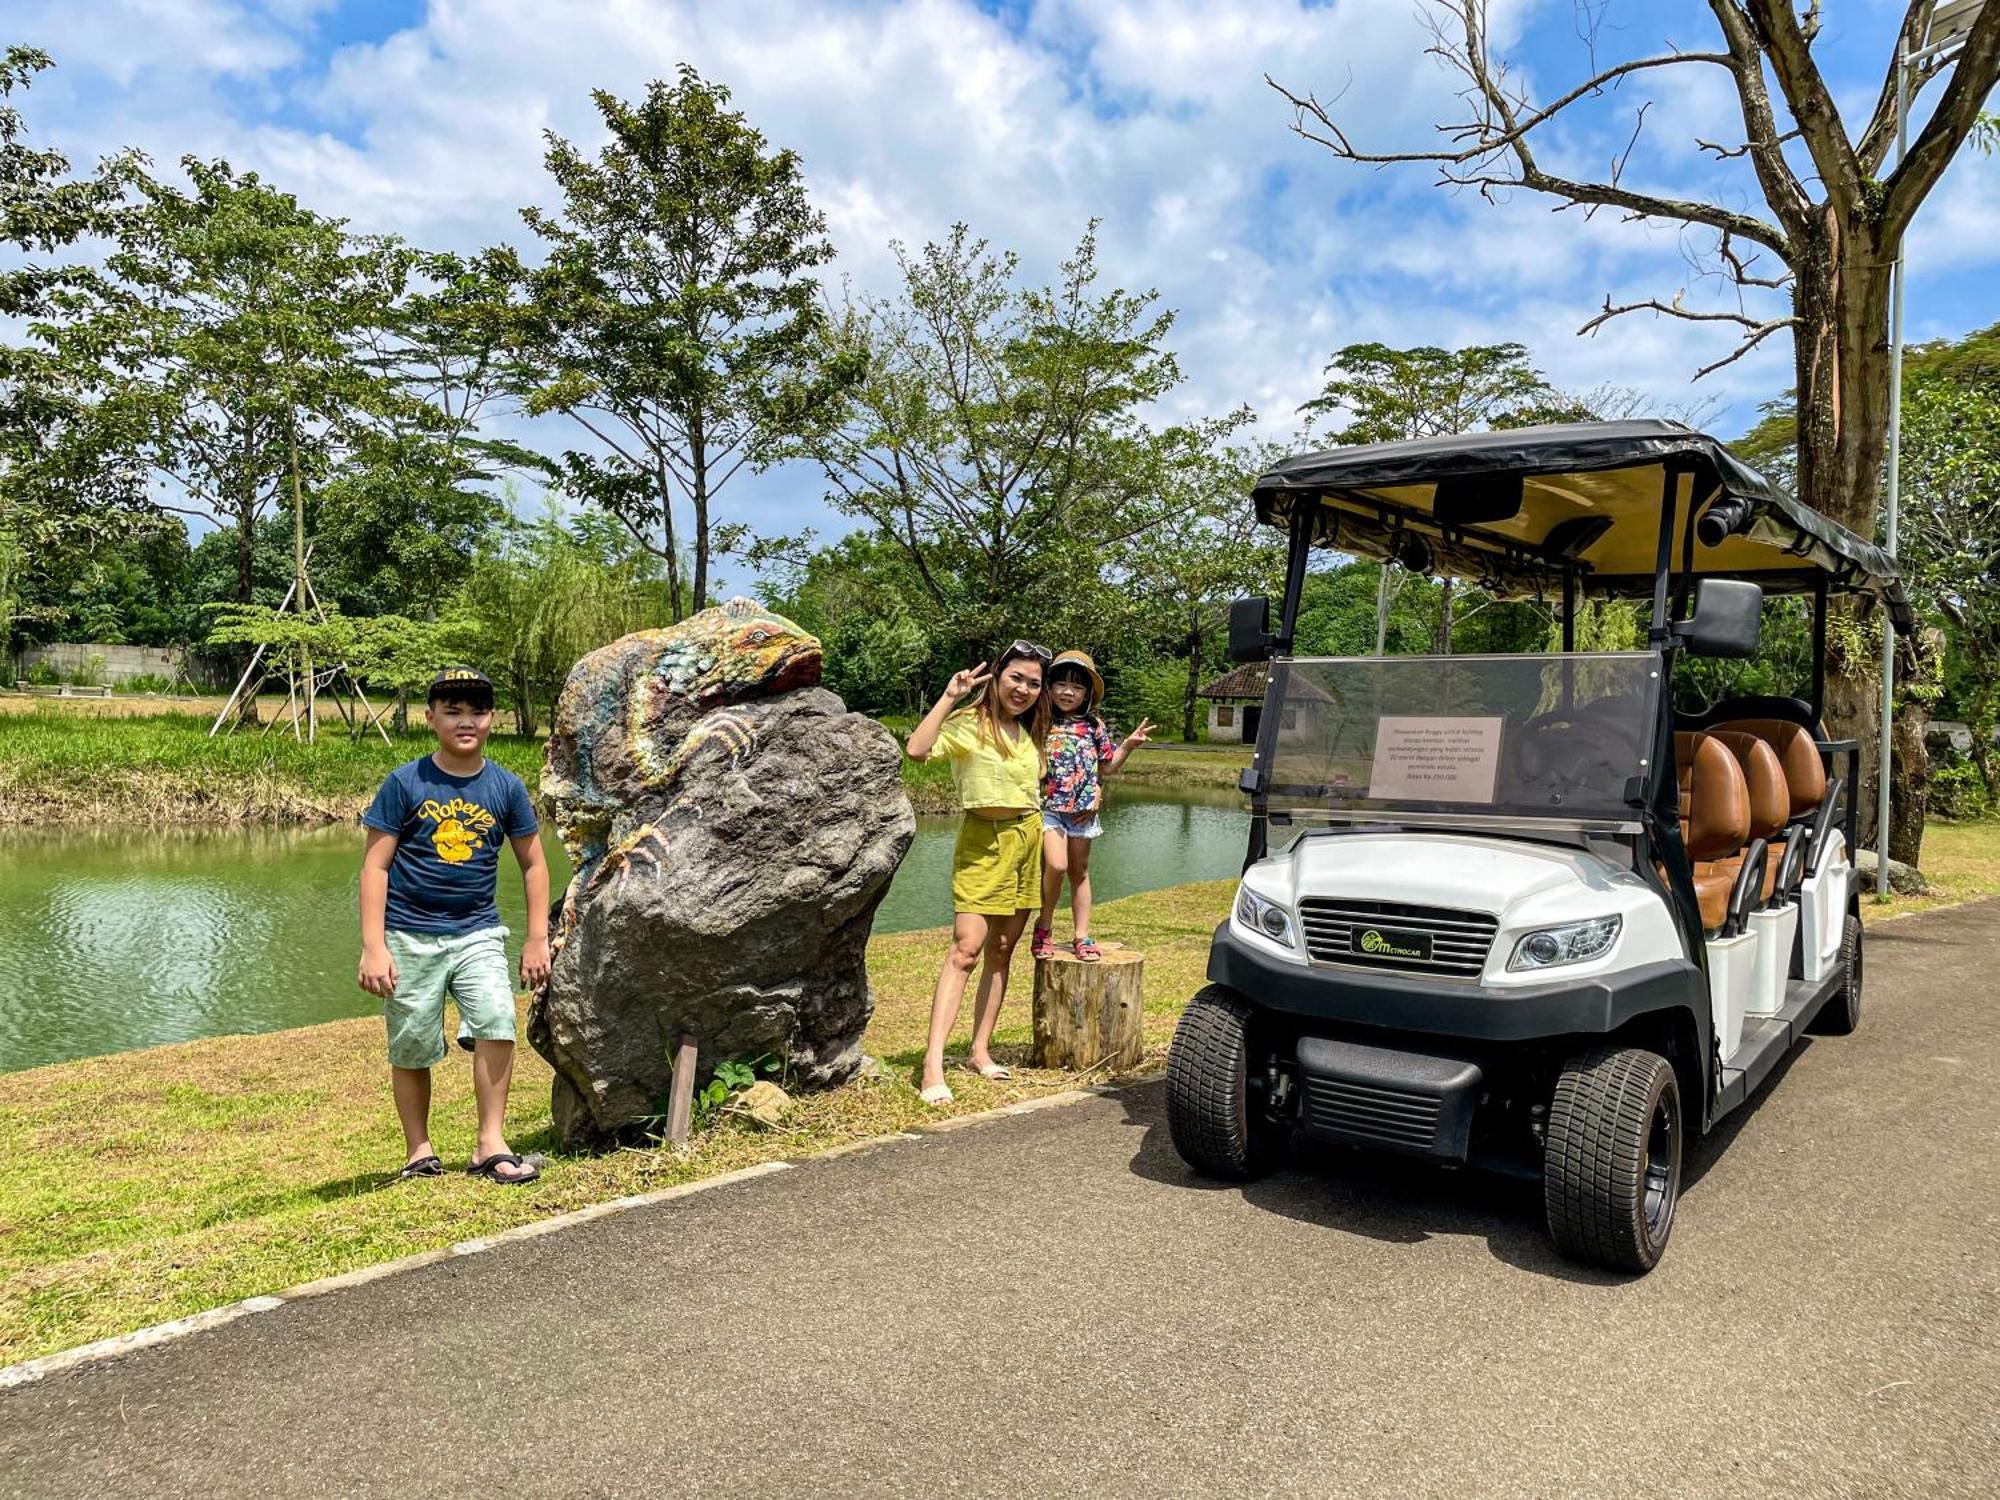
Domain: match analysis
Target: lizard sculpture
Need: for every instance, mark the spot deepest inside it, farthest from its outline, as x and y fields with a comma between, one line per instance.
x=633, y=714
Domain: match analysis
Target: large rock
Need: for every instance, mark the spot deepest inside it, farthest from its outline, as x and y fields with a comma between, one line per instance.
x=732, y=829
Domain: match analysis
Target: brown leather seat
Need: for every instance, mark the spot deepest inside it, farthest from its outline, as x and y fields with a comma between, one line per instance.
x=1805, y=772
x=1715, y=817
x=1770, y=800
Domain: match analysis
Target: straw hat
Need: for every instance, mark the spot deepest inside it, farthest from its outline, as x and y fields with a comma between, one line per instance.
x=1080, y=659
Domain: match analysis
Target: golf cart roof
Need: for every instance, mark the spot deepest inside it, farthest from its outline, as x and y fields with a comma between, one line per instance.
x=1589, y=497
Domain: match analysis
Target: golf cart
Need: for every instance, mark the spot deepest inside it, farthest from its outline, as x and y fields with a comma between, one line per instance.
x=1515, y=911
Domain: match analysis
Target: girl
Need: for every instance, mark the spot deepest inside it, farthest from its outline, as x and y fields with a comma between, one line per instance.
x=995, y=751
x=1080, y=755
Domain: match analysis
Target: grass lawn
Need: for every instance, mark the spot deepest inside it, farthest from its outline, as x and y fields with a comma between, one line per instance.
x=1961, y=863
x=150, y=1185
x=87, y=760
x=57, y=766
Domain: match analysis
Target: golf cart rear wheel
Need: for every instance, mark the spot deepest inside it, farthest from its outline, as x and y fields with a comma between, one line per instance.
x=1217, y=1125
x=1611, y=1176
x=1842, y=1011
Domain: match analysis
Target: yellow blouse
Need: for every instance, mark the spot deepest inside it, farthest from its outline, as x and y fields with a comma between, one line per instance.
x=993, y=772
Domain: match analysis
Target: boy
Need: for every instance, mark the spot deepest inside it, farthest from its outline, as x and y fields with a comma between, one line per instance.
x=429, y=923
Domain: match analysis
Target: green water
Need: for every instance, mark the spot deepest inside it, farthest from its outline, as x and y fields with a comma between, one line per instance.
x=123, y=940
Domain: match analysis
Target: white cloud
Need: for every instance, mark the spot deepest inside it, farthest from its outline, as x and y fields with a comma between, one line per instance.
x=910, y=114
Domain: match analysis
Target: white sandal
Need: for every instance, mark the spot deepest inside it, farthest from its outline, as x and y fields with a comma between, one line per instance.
x=937, y=1095
x=992, y=1072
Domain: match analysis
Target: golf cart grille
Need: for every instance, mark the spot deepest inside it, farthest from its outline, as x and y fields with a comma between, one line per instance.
x=1371, y=1113
x=1397, y=938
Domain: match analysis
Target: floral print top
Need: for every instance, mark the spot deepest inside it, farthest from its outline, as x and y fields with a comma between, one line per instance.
x=1076, y=748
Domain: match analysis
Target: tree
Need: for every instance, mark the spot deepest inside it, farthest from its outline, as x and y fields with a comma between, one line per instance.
x=996, y=438
x=416, y=497
x=1947, y=448
x=860, y=597
x=1391, y=395
x=1832, y=228
x=676, y=319
x=1203, y=546
x=548, y=595
x=1951, y=531
x=232, y=313
x=61, y=492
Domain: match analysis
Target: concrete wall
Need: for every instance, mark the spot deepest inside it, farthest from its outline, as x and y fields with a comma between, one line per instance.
x=120, y=662
x=1225, y=723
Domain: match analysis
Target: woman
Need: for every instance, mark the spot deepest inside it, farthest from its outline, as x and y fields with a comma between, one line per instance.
x=996, y=870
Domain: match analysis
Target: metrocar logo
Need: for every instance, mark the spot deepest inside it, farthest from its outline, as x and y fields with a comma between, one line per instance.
x=1391, y=944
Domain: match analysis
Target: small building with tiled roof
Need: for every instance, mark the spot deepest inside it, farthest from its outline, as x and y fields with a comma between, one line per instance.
x=1236, y=703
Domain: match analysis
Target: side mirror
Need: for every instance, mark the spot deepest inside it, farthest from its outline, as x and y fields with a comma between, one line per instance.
x=1726, y=618
x=1250, y=637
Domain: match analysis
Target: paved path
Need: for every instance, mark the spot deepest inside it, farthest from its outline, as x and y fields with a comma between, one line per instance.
x=1048, y=1305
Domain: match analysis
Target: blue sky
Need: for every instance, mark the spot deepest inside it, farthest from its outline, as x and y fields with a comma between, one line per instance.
x=1026, y=118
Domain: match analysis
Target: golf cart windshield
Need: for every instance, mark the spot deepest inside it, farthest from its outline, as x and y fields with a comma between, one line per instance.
x=1542, y=736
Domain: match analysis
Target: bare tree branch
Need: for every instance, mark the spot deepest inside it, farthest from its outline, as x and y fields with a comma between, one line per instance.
x=1760, y=328
x=1977, y=70
x=1788, y=48
x=1501, y=124
x=1873, y=149
x=1739, y=268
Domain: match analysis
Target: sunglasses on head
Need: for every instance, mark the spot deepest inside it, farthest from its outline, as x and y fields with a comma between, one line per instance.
x=1041, y=654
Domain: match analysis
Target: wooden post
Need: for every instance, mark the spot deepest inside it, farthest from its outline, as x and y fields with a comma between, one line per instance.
x=1090, y=1015
x=680, y=1094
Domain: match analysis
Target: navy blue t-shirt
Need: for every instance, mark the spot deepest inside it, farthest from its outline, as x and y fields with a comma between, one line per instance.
x=449, y=830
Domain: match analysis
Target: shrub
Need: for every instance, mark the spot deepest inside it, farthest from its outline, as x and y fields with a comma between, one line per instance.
x=1958, y=792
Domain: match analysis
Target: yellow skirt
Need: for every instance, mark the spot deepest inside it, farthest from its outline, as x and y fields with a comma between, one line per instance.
x=996, y=868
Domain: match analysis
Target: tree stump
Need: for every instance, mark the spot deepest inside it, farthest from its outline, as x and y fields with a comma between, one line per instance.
x=1090, y=1015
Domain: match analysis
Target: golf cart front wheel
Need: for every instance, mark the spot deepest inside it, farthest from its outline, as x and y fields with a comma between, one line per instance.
x=1217, y=1126
x=1611, y=1176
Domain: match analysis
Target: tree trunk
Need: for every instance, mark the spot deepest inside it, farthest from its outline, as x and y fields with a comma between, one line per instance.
x=1190, y=702
x=1443, y=646
x=1382, y=608
x=698, y=454
x=1983, y=705
x=671, y=550
x=1841, y=354
x=1853, y=690
x=1090, y=1015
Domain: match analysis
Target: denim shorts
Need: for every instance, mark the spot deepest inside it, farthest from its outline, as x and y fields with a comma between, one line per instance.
x=1077, y=825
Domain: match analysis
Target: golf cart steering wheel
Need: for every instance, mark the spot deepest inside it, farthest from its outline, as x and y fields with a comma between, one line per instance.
x=1557, y=753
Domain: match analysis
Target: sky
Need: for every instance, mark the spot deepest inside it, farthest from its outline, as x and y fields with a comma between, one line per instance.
x=1026, y=119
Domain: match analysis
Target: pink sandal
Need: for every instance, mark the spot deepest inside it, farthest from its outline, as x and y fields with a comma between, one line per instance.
x=1044, y=944
x=1087, y=951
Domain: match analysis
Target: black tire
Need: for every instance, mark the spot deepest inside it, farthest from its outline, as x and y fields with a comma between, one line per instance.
x=1611, y=1176
x=1842, y=1011
x=1210, y=1114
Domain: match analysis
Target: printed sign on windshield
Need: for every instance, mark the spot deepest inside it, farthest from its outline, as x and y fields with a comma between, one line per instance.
x=1435, y=759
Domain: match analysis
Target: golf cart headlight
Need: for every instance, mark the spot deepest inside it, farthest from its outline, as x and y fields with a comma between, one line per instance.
x=1572, y=943
x=1266, y=918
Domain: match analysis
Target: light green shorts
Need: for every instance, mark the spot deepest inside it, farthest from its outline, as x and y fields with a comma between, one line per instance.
x=469, y=966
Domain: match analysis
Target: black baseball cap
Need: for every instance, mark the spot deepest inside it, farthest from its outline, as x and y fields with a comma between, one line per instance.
x=467, y=683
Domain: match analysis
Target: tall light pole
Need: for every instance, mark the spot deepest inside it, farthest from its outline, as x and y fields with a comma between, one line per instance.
x=1942, y=40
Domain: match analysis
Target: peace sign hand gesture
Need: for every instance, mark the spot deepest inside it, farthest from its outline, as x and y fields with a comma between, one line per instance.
x=969, y=681
x=1139, y=735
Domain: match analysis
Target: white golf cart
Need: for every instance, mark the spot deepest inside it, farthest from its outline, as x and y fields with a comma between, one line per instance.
x=1523, y=915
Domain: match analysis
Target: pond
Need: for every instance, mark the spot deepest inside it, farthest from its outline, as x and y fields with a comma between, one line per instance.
x=123, y=940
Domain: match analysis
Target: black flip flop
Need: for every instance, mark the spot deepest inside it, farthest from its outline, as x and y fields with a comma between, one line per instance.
x=423, y=1166
x=485, y=1169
